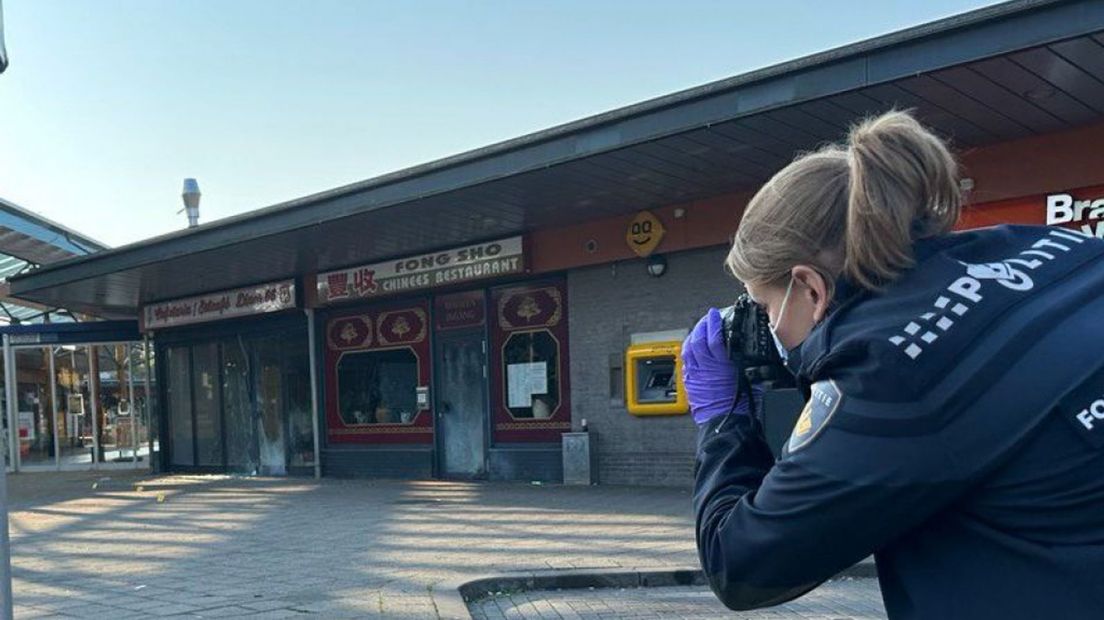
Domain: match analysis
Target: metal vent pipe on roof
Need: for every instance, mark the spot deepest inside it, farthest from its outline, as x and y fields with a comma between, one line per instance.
x=191, y=201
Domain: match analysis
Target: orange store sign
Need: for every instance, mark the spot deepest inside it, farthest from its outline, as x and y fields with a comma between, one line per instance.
x=1086, y=214
x=1080, y=209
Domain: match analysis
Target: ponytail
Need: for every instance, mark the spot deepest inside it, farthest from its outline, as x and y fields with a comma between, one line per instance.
x=851, y=210
x=903, y=186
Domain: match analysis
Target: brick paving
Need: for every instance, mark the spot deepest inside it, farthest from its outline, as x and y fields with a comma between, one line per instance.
x=220, y=547
x=122, y=545
x=851, y=599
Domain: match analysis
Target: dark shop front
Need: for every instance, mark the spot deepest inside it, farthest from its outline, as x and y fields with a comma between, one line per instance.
x=235, y=377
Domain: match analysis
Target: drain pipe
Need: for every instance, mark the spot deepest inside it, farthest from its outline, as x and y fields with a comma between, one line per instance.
x=313, y=361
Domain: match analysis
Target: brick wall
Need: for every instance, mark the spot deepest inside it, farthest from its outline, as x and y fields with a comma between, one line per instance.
x=607, y=304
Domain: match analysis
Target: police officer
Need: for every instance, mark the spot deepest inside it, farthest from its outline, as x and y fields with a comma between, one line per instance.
x=955, y=422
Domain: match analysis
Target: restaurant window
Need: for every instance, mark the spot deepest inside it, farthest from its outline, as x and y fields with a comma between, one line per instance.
x=377, y=366
x=378, y=387
x=531, y=363
x=529, y=353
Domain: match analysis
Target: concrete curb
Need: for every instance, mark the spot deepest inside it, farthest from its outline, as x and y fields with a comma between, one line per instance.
x=452, y=599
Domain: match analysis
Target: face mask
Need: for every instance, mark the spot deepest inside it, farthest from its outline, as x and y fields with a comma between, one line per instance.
x=791, y=358
x=783, y=352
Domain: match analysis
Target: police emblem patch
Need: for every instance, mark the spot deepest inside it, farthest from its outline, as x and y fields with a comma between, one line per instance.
x=824, y=400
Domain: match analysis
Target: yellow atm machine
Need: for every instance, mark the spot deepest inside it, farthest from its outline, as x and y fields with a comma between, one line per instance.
x=653, y=379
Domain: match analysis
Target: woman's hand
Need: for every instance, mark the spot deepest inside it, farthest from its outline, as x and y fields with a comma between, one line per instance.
x=707, y=372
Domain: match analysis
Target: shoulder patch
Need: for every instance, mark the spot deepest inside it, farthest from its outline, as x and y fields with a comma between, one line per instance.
x=823, y=402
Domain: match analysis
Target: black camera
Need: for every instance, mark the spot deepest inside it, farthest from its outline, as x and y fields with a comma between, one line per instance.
x=747, y=335
x=746, y=330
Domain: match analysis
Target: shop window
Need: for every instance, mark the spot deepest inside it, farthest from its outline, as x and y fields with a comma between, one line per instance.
x=531, y=362
x=378, y=387
x=207, y=404
x=180, y=405
x=242, y=404
x=298, y=402
x=241, y=438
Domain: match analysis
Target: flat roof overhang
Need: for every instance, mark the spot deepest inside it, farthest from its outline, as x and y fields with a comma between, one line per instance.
x=27, y=240
x=1004, y=72
x=97, y=332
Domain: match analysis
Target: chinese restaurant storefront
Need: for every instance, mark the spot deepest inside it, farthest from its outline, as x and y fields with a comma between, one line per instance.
x=442, y=378
x=456, y=319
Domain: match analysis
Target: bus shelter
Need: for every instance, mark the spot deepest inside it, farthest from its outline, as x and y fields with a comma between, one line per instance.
x=77, y=396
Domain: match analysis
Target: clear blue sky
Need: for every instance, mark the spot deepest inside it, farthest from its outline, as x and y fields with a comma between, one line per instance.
x=108, y=105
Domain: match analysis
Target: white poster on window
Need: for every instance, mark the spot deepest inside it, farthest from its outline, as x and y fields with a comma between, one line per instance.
x=26, y=425
x=525, y=380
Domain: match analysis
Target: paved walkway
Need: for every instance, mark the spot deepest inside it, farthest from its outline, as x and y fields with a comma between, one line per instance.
x=223, y=547
x=850, y=599
x=119, y=545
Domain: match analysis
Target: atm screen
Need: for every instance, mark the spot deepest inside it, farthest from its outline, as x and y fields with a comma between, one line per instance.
x=655, y=380
x=660, y=379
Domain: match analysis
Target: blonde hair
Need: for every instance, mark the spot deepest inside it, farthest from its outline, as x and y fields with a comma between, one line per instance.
x=851, y=210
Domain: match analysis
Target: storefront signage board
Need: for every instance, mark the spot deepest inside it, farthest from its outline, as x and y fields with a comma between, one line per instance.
x=470, y=263
x=235, y=303
x=1083, y=213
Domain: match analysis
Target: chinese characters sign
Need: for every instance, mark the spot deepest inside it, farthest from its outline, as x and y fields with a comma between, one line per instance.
x=476, y=262
x=222, y=305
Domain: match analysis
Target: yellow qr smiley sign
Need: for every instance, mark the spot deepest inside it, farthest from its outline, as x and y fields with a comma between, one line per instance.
x=644, y=234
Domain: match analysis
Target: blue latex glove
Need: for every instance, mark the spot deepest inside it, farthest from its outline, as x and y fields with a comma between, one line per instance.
x=707, y=372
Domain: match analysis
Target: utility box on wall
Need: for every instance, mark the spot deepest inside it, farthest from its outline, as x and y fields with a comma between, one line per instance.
x=579, y=459
x=653, y=379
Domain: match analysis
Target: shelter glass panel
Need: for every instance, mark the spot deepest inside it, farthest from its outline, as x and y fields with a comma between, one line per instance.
x=75, y=421
x=112, y=402
x=34, y=407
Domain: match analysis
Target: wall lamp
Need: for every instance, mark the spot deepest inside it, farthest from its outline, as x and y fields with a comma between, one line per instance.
x=657, y=265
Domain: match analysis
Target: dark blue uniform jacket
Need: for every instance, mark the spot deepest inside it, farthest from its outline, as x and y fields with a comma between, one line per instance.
x=955, y=430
